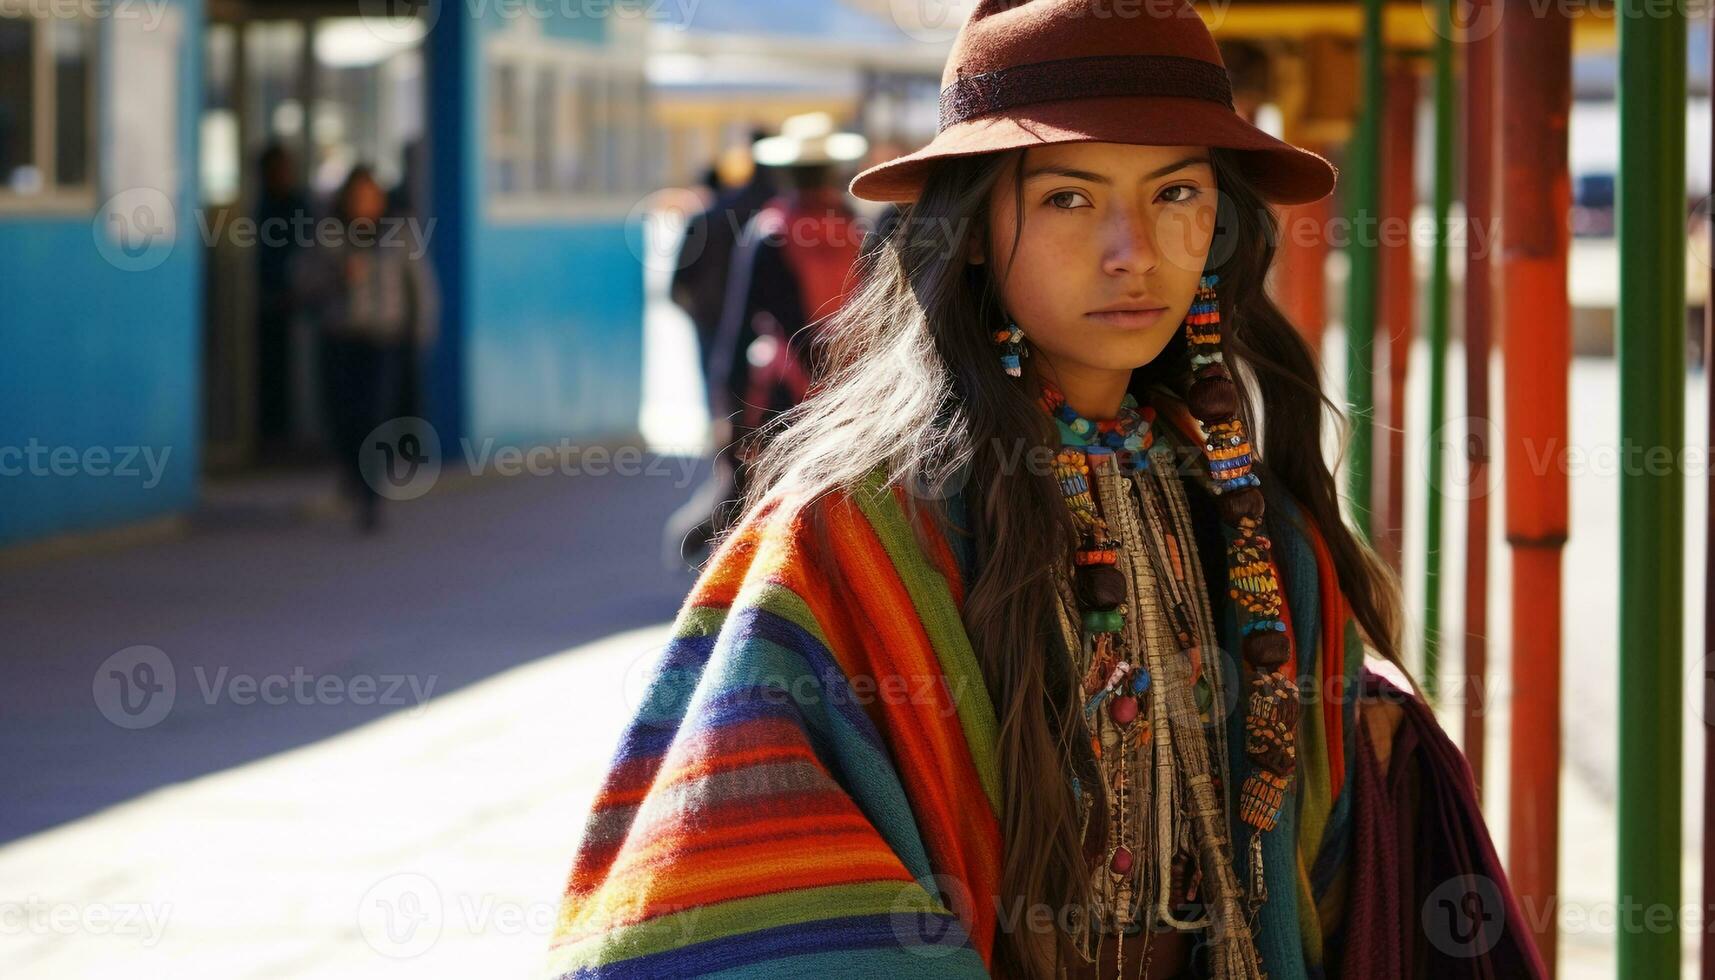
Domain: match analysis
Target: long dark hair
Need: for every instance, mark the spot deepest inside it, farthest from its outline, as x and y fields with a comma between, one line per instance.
x=909, y=381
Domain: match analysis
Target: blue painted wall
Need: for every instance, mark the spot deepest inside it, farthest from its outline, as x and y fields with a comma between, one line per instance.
x=545, y=319
x=556, y=347
x=96, y=358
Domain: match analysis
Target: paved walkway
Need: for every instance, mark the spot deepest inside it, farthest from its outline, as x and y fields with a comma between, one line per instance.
x=430, y=843
x=343, y=713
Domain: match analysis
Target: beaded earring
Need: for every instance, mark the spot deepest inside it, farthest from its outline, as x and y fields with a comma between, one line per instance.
x=1272, y=706
x=1010, y=340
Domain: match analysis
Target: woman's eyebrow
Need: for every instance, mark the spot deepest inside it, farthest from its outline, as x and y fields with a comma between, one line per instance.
x=1053, y=171
x=1095, y=178
x=1188, y=161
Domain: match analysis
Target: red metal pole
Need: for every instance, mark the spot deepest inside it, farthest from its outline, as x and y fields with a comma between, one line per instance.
x=1300, y=268
x=1398, y=296
x=1479, y=259
x=1535, y=48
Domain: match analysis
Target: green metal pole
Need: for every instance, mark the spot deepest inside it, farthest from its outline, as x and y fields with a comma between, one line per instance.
x=1651, y=347
x=1361, y=286
x=1440, y=285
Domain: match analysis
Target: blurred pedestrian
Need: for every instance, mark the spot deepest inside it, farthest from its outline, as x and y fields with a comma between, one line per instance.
x=279, y=206
x=709, y=186
x=790, y=266
x=705, y=257
x=372, y=295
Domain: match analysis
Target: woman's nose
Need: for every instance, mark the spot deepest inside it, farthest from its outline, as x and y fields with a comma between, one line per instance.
x=1131, y=247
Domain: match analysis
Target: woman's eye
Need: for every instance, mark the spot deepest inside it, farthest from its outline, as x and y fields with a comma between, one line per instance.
x=1069, y=200
x=1188, y=192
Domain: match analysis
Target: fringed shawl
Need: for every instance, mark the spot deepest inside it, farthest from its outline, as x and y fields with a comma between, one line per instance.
x=1304, y=856
x=810, y=786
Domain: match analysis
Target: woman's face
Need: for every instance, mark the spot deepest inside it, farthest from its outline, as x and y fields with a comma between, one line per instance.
x=367, y=200
x=1112, y=241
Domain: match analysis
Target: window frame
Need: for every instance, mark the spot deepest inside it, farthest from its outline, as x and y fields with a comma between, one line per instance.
x=579, y=70
x=56, y=198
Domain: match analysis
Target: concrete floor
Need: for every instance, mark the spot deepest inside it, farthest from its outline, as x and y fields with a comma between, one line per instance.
x=464, y=584
x=235, y=837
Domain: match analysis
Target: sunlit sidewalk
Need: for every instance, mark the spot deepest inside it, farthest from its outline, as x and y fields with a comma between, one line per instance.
x=431, y=843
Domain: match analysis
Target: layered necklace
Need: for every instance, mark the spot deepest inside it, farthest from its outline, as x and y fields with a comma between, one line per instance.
x=1160, y=846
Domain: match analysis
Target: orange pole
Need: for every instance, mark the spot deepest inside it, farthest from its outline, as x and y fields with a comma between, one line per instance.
x=1535, y=195
x=1300, y=268
x=1398, y=296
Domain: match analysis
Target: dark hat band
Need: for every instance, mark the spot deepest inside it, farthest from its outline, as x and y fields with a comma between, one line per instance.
x=1093, y=76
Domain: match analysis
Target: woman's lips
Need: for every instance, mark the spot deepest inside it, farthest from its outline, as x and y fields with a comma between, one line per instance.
x=1131, y=319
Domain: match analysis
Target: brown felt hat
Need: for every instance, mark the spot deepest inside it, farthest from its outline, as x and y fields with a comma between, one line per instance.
x=1033, y=72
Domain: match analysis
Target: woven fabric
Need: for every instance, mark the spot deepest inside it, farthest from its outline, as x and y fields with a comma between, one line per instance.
x=810, y=783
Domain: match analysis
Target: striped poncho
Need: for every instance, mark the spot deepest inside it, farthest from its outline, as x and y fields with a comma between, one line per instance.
x=809, y=787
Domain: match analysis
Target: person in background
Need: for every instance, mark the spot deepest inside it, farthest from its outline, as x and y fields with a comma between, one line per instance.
x=375, y=301
x=281, y=200
x=709, y=185
x=705, y=257
x=791, y=266
x=740, y=188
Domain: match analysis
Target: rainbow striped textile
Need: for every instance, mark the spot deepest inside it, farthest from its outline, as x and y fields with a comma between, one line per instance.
x=810, y=786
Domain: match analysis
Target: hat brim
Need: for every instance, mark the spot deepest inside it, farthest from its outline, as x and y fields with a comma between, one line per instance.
x=1283, y=173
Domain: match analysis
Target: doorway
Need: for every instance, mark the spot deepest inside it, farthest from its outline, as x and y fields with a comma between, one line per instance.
x=295, y=95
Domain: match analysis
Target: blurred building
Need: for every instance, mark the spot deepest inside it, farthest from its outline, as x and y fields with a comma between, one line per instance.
x=517, y=135
x=526, y=140
x=722, y=68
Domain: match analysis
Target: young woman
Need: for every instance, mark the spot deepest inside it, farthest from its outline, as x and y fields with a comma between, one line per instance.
x=1021, y=660
x=375, y=302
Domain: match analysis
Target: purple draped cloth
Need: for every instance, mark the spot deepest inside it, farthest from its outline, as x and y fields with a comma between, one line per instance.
x=1429, y=899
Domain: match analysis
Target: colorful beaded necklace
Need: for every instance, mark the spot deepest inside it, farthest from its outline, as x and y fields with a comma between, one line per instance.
x=1272, y=705
x=1129, y=434
x=1161, y=818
